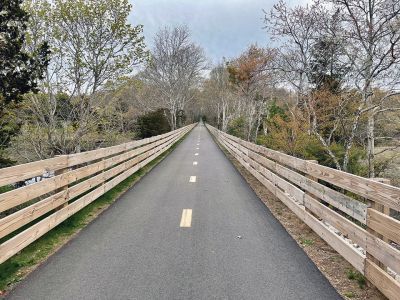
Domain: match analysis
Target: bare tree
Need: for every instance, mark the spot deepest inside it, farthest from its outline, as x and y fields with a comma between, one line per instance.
x=295, y=29
x=372, y=31
x=220, y=92
x=253, y=80
x=92, y=44
x=175, y=68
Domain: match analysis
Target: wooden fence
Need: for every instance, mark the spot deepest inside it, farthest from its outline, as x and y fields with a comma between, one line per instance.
x=351, y=213
x=75, y=181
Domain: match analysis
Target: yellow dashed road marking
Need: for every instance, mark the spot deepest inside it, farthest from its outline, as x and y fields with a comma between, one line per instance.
x=186, y=220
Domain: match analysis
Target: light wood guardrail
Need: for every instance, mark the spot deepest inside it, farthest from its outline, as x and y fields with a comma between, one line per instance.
x=349, y=212
x=75, y=181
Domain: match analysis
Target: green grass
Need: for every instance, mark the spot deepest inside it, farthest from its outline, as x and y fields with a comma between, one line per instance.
x=6, y=188
x=349, y=294
x=18, y=266
x=306, y=242
x=355, y=275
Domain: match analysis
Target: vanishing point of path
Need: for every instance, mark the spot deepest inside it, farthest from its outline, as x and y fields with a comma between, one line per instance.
x=190, y=229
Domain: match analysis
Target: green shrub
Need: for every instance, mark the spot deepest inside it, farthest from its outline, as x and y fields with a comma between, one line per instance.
x=153, y=123
x=314, y=150
x=237, y=127
x=355, y=275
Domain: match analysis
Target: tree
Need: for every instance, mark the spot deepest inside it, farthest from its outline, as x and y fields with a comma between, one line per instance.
x=175, y=69
x=20, y=70
x=372, y=31
x=349, y=52
x=219, y=90
x=328, y=71
x=152, y=123
x=251, y=76
x=288, y=132
x=295, y=29
x=310, y=60
x=93, y=45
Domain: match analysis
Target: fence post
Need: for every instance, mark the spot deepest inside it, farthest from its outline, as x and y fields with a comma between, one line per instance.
x=383, y=209
x=313, y=179
x=64, y=188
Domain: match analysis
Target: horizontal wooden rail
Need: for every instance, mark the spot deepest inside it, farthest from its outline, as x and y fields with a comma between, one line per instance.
x=83, y=178
x=366, y=237
x=38, y=168
x=29, y=192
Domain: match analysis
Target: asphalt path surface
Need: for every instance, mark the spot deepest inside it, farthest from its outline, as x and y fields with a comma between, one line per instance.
x=225, y=245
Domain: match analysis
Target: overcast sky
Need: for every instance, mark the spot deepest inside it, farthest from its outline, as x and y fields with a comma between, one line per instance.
x=224, y=28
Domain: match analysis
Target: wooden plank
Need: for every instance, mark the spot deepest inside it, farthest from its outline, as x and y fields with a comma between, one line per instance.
x=286, y=186
x=26, y=193
x=38, y=168
x=383, y=252
x=155, y=153
x=379, y=192
x=79, y=158
x=378, y=248
x=354, y=257
x=26, y=237
x=32, y=191
x=270, y=186
x=23, y=239
x=129, y=154
x=352, y=207
x=266, y=178
x=26, y=171
x=65, y=187
x=88, y=156
x=385, y=225
x=344, y=225
x=24, y=216
x=348, y=205
x=383, y=281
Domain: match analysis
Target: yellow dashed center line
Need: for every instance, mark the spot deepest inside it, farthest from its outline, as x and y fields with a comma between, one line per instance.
x=186, y=220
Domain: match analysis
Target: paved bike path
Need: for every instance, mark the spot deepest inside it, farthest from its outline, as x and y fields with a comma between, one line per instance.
x=233, y=249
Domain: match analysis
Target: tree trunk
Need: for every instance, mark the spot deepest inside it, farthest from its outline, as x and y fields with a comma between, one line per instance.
x=349, y=142
x=224, y=118
x=173, y=119
x=257, y=129
x=218, y=117
x=371, y=145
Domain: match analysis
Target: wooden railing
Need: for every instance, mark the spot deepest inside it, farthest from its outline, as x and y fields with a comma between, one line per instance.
x=351, y=213
x=74, y=181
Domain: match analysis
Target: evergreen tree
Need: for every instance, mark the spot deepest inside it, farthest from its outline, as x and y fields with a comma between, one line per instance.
x=327, y=70
x=19, y=70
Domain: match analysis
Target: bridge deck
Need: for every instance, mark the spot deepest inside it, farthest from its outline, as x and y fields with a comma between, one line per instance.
x=137, y=249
